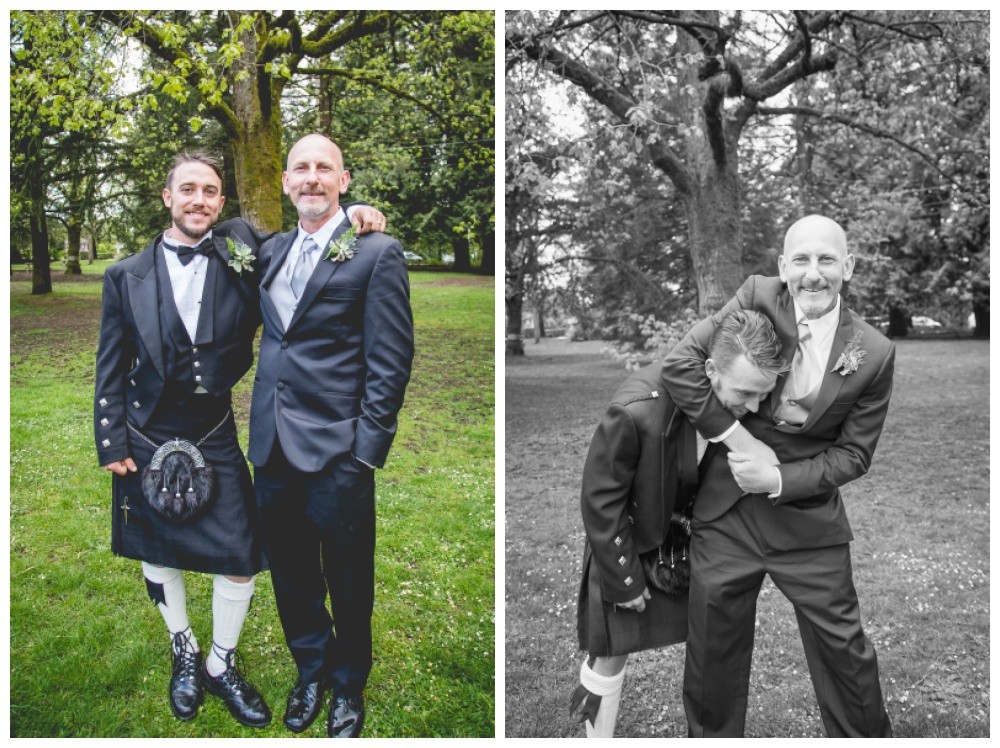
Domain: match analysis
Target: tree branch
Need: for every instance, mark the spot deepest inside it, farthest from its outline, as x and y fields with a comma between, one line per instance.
x=614, y=101
x=867, y=129
x=153, y=39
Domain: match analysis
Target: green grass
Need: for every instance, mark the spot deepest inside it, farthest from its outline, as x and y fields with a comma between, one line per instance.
x=89, y=653
x=921, y=556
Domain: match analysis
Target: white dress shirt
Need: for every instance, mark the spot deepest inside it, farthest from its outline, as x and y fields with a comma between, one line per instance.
x=187, y=282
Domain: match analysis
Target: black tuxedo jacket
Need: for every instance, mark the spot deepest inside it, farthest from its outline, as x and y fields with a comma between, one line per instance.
x=834, y=446
x=332, y=384
x=130, y=376
x=642, y=463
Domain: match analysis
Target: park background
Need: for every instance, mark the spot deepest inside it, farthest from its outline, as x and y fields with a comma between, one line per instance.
x=100, y=102
x=653, y=160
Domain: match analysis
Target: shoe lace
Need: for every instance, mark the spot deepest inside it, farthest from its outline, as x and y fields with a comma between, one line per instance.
x=234, y=665
x=185, y=656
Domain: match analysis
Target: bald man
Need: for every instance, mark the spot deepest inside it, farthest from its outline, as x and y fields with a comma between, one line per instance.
x=782, y=515
x=335, y=358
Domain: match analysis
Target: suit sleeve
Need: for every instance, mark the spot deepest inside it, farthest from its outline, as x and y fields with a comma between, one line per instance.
x=109, y=381
x=851, y=455
x=684, y=375
x=607, y=480
x=388, y=351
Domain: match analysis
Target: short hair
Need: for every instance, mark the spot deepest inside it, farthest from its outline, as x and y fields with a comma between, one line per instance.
x=749, y=334
x=201, y=157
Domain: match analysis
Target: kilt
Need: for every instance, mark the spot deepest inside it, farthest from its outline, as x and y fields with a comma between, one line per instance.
x=605, y=630
x=225, y=538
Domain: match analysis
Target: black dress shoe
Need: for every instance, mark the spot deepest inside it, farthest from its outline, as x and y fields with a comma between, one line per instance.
x=243, y=700
x=304, y=703
x=185, y=683
x=347, y=717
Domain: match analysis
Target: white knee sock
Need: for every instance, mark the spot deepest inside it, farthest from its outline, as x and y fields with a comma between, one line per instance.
x=174, y=604
x=230, y=603
x=609, y=688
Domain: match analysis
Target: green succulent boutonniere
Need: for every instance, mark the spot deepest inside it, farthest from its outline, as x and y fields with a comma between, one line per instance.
x=343, y=248
x=240, y=255
x=852, y=357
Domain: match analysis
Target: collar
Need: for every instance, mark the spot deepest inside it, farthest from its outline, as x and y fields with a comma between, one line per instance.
x=175, y=243
x=823, y=326
x=323, y=234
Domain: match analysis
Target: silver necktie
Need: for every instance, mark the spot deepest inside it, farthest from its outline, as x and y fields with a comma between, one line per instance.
x=303, y=266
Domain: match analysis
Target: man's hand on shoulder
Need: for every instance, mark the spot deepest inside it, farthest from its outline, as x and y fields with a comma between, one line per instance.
x=639, y=604
x=367, y=219
x=121, y=467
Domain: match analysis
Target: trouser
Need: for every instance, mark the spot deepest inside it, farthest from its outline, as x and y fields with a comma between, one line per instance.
x=319, y=534
x=729, y=558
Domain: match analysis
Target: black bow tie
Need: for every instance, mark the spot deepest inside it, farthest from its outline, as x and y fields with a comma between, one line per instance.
x=185, y=253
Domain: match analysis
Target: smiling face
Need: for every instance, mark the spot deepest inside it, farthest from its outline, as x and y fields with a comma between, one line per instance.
x=815, y=264
x=194, y=197
x=315, y=178
x=740, y=386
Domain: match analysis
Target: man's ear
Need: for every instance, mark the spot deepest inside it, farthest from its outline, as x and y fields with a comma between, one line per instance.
x=166, y=196
x=345, y=181
x=711, y=370
x=848, y=267
x=781, y=269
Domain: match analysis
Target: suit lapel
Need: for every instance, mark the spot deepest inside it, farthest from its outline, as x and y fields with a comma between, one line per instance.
x=211, y=294
x=321, y=274
x=144, y=302
x=282, y=246
x=832, y=381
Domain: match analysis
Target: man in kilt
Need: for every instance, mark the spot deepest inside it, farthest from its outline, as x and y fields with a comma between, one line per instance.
x=177, y=327
x=639, y=482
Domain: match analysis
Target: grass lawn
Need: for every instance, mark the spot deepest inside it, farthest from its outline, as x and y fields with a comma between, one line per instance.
x=921, y=556
x=90, y=654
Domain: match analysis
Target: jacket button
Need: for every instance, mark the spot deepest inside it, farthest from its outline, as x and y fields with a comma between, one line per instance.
x=136, y=404
x=622, y=561
x=281, y=385
x=194, y=350
x=628, y=581
x=284, y=343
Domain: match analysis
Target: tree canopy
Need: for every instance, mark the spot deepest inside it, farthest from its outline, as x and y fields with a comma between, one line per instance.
x=742, y=122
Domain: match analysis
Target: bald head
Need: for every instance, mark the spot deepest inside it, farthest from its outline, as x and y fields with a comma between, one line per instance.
x=815, y=263
x=315, y=179
x=816, y=229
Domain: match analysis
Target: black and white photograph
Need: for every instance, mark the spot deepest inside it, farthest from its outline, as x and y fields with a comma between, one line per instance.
x=746, y=365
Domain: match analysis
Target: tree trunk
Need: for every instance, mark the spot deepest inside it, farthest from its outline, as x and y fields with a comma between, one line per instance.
x=41, y=274
x=73, y=231
x=257, y=145
x=712, y=199
x=513, y=301
x=898, y=322
x=489, y=263
x=463, y=263
x=982, y=312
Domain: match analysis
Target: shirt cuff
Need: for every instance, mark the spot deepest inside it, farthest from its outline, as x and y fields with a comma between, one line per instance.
x=777, y=493
x=350, y=211
x=725, y=434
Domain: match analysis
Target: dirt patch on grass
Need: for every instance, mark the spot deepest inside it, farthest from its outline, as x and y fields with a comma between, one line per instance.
x=481, y=281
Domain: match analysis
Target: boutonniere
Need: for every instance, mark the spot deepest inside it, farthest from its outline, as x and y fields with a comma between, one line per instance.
x=343, y=248
x=240, y=255
x=852, y=357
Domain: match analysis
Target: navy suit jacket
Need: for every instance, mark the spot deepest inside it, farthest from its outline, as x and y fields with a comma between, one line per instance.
x=130, y=374
x=332, y=384
x=834, y=446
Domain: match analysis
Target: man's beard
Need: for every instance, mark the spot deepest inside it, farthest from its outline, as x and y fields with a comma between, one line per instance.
x=313, y=210
x=181, y=222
